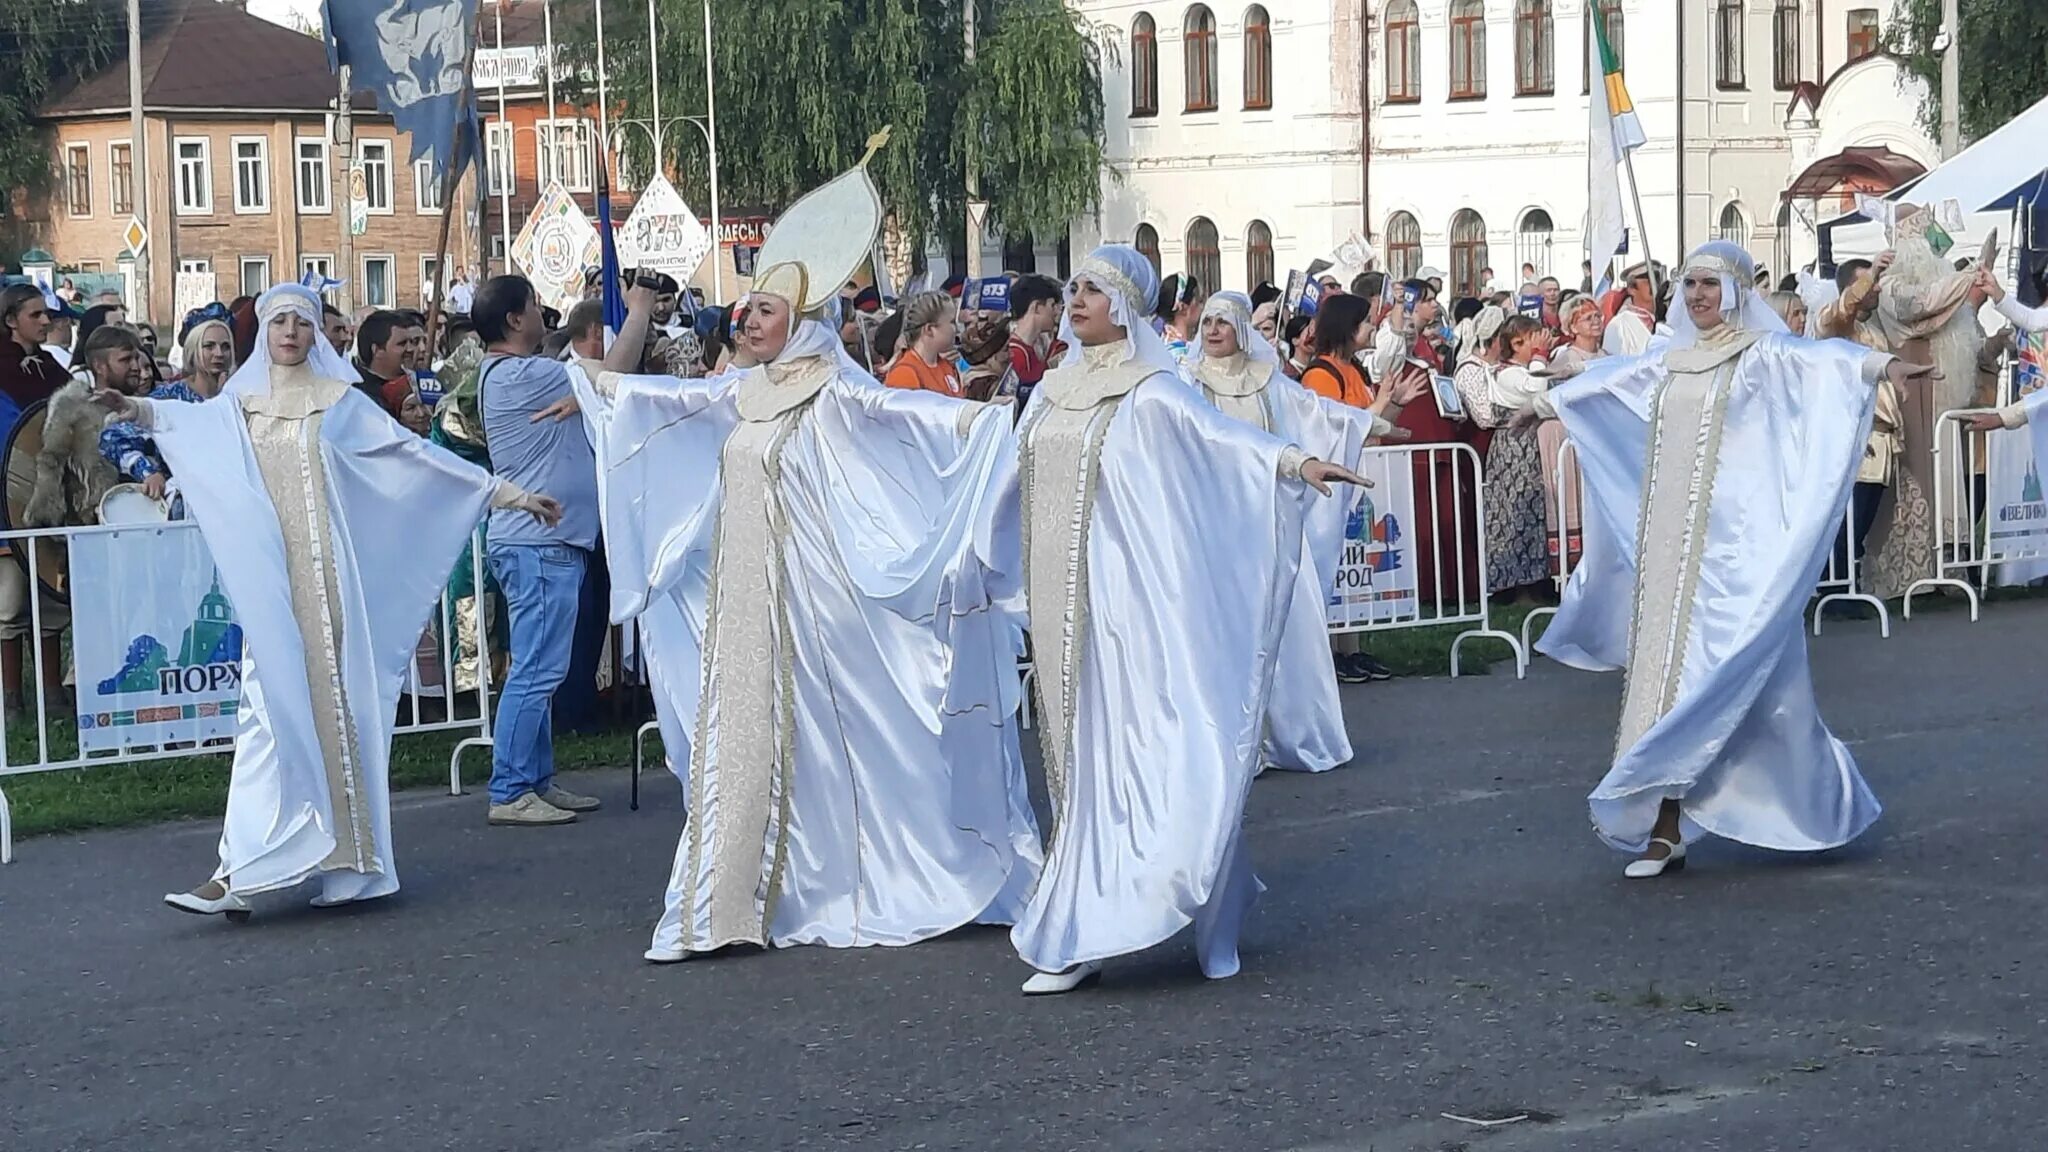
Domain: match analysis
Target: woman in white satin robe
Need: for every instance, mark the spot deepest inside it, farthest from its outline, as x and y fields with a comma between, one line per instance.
x=1162, y=542
x=1716, y=468
x=333, y=529
x=1237, y=371
x=854, y=774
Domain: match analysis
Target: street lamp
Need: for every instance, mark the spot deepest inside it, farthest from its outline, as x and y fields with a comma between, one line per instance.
x=707, y=128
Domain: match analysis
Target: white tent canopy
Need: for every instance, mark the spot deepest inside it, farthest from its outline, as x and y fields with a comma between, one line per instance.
x=1985, y=178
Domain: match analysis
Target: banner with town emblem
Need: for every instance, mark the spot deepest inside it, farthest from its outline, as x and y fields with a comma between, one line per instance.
x=2016, y=512
x=159, y=658
x=663, y=234
x=555, y=247
x=1376, y=580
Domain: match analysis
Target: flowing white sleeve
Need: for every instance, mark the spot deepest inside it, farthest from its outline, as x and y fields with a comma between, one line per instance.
x=2024, y=318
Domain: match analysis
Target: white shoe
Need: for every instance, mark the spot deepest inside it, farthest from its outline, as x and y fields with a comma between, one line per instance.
x=666, y=955
x=1054, y=983
x=1673, y=861
x=226, y=904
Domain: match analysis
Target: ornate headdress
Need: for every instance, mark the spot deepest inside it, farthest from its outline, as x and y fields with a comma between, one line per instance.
x=823, y=238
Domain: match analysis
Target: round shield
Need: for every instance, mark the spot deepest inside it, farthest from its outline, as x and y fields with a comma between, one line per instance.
x=17, y=485
x=129, y=504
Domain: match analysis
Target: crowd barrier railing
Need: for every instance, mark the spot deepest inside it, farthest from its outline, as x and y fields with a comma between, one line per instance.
x=1842, y=580
x=1958, y=552
x=439, y=670
x=1566, y=533
x=1456, y=589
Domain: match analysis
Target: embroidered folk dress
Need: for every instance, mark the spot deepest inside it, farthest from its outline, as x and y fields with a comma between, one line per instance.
x=1715, y=478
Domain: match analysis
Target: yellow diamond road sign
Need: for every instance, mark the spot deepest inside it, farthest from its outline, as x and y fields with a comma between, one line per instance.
x=135, y=235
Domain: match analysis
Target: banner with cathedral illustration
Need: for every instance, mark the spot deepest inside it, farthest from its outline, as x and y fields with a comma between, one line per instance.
x=1376, y=579
x=158, y=653
x=2016, y=512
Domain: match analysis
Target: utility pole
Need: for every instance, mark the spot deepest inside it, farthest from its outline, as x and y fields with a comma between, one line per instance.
x=711, y=144
x=344, y=209
x=1951, y=81
x=974, y=205
x=138, y=166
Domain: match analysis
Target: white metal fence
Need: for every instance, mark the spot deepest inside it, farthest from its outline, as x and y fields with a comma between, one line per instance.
x=45, y=737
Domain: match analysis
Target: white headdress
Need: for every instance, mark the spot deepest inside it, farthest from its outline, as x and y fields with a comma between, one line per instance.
x=1255, y=365
x=253, y=378
x=1122, y=273
x=1742, y=307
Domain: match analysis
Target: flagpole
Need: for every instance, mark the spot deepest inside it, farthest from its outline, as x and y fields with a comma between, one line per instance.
x=1635, y=193
x=450, y=173
x=603, y=125
x=547, y=25
x=654, y=83
x=511, y=149
x=711, y=137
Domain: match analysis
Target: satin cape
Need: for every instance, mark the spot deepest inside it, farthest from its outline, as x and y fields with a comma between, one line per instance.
x=1193, y=545
x=1743, y=745
x=908, y=811
x=401, y=511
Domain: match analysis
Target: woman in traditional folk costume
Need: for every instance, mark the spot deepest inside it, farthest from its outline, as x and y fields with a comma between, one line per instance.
x=1716, y=468
x=834, y=545
x=1162, y=544
x=1239, y=373
x=333, y=528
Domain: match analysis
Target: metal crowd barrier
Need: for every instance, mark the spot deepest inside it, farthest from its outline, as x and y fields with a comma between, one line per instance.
x=435, y=672
x=1842, y=580
x=1457, y=596
x=1957, y=554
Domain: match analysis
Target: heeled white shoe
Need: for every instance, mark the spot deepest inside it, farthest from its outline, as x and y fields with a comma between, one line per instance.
x=1674, y=861
x=226, y=904
x=1054, y=983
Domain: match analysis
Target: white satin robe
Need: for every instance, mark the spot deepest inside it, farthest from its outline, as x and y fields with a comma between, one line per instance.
x=667, y=642
x=876, y=795
x=1305, y=729
x=1744, y=454
x=1162, y=544
x=364, y=557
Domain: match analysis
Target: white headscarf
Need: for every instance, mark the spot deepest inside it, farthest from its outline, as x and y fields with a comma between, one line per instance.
x=817, y=338
x=1742, y=307
x=1235, y=309
x=1475, y=333
x=253, y=378
x=1122, y=273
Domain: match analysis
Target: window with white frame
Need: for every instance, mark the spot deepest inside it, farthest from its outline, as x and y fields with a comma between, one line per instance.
x=321, y=265
x=375, y=158
x=252, y=174
x=430, y=283
x=255, y=275
x=426, y=189
x=501, y=159
x=121, y=178
x=312, y=179
x=78, y=178
x=195, y=175
x=378, y=288
x=570, y=140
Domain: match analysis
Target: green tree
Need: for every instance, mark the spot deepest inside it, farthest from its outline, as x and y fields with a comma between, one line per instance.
x=45, y=45
x=801, y=84
x=2004, y=58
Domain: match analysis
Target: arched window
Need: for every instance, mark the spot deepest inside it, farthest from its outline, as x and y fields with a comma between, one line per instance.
x=1198, y=41
x=1785, y=45
x=1468, y=252
x=1404, y=246
x=1404, y=53
x=1468, y=50
x=1146, y=241
x=1258, y=59
x=1204, y=255
x=1532, y=241
x=1728, y=70
x=1258, y=255
x=1144, y=66
x=1734, y=226
x=1535, y=52
x=1610, y=12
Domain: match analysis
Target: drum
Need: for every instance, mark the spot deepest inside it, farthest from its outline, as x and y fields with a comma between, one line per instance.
x=17, y=486
x=129, y=504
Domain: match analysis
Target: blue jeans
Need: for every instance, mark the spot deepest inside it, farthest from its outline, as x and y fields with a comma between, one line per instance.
x=541, y=584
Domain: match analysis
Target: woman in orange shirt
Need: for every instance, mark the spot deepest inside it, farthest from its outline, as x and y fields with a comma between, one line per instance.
x=929, y=334
x=1343, y=328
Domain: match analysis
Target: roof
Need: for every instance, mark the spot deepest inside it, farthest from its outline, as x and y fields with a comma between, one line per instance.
x=203, y=54
x=1995, y=172
x=1888, y=168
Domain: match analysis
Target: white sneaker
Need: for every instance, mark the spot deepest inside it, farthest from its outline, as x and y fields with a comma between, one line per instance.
x=210, y=899
x=530, y=811
x=1646, y=869
x=666, y=955
x=569, y=801
x=1054, y=983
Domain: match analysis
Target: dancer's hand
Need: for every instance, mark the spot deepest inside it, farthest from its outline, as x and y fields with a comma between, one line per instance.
x=560, y=410
x=153, y=485
x=1985, y=422
x=1902, y=372
x=1318, y=475
x=118, y=404
x=545, y=509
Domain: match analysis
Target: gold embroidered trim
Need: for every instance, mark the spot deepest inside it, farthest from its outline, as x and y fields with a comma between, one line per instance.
x=785, y=677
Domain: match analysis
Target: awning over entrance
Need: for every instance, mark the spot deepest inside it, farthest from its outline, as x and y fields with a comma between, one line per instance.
x=1872, y=169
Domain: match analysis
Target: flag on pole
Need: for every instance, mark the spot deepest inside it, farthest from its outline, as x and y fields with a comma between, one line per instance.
x=414, y=55
x=608, y=254
x=1612, y=131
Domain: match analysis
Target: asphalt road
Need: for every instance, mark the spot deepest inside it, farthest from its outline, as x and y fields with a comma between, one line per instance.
x=1443, y=934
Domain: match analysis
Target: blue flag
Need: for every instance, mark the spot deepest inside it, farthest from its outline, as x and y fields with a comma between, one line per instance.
x=608, y=253
x=413, y=54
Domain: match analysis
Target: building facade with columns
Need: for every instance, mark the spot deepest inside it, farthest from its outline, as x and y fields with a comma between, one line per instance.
x=1237, y=148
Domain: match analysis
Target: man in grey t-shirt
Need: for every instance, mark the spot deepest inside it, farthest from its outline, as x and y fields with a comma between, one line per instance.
x=536, y=441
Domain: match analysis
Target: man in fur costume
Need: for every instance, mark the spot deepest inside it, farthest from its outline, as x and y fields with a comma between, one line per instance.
x=71, y=474
x=1927, y=312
